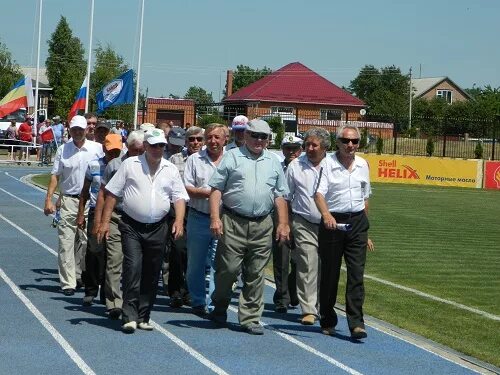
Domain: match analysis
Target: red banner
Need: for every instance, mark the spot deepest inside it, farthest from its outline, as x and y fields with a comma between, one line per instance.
x=492, y=175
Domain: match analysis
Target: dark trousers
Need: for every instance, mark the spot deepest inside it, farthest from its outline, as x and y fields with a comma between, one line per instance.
x=95, y=262
x=333, y=244
x=143, y=251
x=175, y=262
x=284, y=275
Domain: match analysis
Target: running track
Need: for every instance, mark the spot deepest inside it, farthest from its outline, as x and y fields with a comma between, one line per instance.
x=45, y=332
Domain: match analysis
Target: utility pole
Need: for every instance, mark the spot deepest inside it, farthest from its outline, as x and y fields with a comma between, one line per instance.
x=411, y=89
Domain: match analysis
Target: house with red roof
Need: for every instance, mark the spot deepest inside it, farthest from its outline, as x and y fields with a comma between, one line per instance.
x=295, y=92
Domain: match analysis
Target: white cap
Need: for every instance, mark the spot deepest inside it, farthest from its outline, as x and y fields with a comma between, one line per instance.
x=239, y=123
x=155, y=136
x=146, y=126
x=78, y=121
x=258, y=126
x=291, y=140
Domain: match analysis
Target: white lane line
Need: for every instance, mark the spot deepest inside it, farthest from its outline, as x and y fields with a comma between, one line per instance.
x=21, y=200
x=49, y=327
x=308, y=348
x=441, y=353
x=34, y=239
x=191, y=351
x=431, y=297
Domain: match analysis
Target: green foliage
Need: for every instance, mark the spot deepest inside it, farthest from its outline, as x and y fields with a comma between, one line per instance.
x=379, y=146
x=9, y=70
x=108, y=65
x=65, y=66
x=363, y=142
x=333, y=141
x=384, y=90
x=429, y=147
x=201, y=97
x=244, y=75
x=206, y=119
x=478, y=151
x=277, y=127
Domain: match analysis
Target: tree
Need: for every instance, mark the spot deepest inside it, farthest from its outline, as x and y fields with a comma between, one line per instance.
x=65, y=66
x=9, y=70
x=244, y=75
x=201, y=97
x=107, y=66
x=385, y=91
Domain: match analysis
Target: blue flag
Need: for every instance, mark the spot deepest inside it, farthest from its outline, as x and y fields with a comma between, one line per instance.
x=118, y=91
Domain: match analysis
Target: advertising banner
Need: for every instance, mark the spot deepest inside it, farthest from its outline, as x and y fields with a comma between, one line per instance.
x=421, y=170
x=492, y=175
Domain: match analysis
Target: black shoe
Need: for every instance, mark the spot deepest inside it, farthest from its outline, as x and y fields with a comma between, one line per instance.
x=199, y=310
x=280, y=309
x=68, y=292
x=79, y=284
x=186, y=300
x=254, y=329
x=175, y=302
x=217, y=318
x=294, y=302
x=358, y=333
x=115, y=313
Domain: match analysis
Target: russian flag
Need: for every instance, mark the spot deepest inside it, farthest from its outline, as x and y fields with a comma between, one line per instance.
x=15, y=98
x=79, y=101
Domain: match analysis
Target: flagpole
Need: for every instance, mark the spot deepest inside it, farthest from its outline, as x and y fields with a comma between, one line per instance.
x=90, y=56
x=35, y=119
x=138, y=69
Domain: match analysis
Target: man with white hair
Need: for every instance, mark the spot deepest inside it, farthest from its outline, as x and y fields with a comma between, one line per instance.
x=238, y=127
x=114, y=253
x=147, y=184
x=68, y=171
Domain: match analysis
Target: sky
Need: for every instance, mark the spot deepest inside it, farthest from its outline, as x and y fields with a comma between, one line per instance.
x=194, y=42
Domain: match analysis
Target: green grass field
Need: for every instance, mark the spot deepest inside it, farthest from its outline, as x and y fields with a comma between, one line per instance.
x=441, y=241
x=444, y=242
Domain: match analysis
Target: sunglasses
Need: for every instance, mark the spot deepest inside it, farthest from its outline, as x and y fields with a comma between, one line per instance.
x=198, y=139
x=346, y=141
x=91, y=123
x=158, y=145
x=261, y=136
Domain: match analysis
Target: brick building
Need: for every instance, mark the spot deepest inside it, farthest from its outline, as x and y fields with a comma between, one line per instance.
x=159, y=110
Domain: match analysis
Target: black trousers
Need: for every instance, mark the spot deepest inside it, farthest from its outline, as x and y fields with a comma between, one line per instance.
x=333, y=245
x=95, y=262
x=285, y=275
x=174, y=265
x=143, y=251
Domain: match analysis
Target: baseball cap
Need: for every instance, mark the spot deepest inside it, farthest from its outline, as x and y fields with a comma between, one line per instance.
x=239, y=123
x=78, y=121
x=177, y=136
x=155, y=136
x=146, y=126
x=103, y=124
x=56, y=118
x=291, y=140
x=112, y=141
x=258, y=126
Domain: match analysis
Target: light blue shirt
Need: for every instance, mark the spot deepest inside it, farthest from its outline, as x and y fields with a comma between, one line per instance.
x=249, y=186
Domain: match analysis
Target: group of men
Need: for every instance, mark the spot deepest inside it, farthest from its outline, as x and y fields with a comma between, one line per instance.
x=193, y=204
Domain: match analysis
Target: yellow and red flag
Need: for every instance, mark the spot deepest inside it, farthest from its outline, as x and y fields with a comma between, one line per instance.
x=15, y=98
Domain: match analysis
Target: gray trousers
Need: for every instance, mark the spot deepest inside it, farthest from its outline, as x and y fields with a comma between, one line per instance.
x=114, y=260
x=306, y=257
x=245, y=245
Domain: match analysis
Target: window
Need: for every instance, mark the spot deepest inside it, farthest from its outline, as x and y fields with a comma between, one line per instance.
x=445, y=94
x=281, y=109
x=330, y=114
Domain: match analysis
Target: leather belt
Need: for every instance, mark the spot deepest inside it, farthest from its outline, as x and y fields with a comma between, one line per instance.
x=237, y=214
x=346, y=215
x=72, y=195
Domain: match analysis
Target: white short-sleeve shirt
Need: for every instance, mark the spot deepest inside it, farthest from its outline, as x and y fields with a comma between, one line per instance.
x=302, y=178
x=147, y=199
x=344, y=191
x=198, y=171
x=71, y=163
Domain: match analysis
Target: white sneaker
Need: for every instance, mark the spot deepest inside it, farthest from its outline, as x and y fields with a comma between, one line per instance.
x=129, y=327
x=145, y=326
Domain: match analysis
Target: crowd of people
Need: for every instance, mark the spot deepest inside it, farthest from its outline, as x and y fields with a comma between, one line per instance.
x=212, y=203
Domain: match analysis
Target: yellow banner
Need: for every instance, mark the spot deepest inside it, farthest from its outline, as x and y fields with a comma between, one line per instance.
x=421, y=170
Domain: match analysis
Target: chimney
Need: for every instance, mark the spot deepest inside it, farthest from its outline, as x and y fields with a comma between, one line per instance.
x=229, y=83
